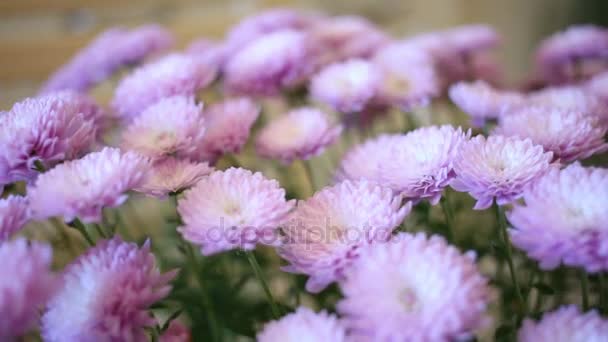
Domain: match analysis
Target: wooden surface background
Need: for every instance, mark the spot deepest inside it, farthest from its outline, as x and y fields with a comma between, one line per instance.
x=37, y=36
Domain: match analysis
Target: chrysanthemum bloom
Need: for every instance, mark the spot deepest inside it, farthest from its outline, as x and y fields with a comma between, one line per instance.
x=420, y=164
x=325, y=232
x=570, y=98
x=213, y=52
x=83, y=187
x=14, y=213
x=482, y=102
x=570, y=135
x=228, y=127
x=172, y=175
x=233, y=209
x=300, y=134
x=175, y=74
x=364, y=161
x=471, y=38
x=106, y=294
x=86, y=105
x=498, y=168
x=598, y=85
x=567, y=323
x=109, y=51
x=413, y=288
x=304, y=325
x=348, y=86
x=408, y=76
x=484, y=66
x=26, y=284
x=576, y=231
x=174, y=126
x=271, y=63
x=48, y=129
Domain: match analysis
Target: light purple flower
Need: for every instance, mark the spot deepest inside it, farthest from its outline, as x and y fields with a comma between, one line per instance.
x=108, y=52
x=567, y=323
x=498, y=167
x=26, y=284
x=570, y=98
x=574, y=228
x=471, y=38
x=14, y=213
x=49, y=129
x=598, y=85
x=106, y=294
x=482, y=102
x=413, y=288
x=172, y=175
x=304, y=325
x=570, y=135
x=365, y=160
x=212, y=52
x=347, y=86
x=300, y=134
x=273, y=62
x=228, y=127
x=233, y=209
x=174, y=126
x=83, y=187
x=325, y=232
x=420, y=164
x=175, y=74
x=90, y=110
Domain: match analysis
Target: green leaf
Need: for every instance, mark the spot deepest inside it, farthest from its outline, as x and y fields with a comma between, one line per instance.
x=503, y=333
x=544, y=288
x=170, y=319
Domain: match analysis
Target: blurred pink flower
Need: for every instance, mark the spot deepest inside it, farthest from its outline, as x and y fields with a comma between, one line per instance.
x=304, y=325
x=567, y=323
x=172, y=175
x=14, y=213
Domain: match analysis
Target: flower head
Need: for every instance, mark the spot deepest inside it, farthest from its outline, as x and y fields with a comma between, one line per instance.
x=570, y=135
x=174, y=126
x=571, y=98
x=106, y=294
x=325, y=232
x=365, y=160
x=83, y=187
x=14, y=213
x=413, y=288
x=228, y=127
x=48, y=129
x=269, y=64
x=233, y=209
x=576, y=231
x=300, y=134
x=172, y=175
x=421, y=162
x=567, y=323
x=175, y=74
x=471, y=38
x=304, y=325
x=26, y=283
x=346, y=86
x=481, y=101
x=498, y=168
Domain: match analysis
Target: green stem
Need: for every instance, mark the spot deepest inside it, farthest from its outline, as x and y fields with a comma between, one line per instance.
x=584, y=289
x=195, y=266
x=603, y=293
x=80, y=227
x=39, y=166
x=100, y=231
x=64, y=234
x=449, y=217
x=309, y=175
x=258, y=273
x=502, y=226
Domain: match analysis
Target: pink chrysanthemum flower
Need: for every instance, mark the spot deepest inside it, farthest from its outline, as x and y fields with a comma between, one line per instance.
x=106, y=294
x=304, y=325
x=481, y=101
x=233, y=209
x=567, y=323
x=420, y=164
x=347, y=87
x=570, y=135
x=174, y=126
x=109, y=51
x=26, y=284
x=175, y=74
x=300, y=134
x=172, y=175
x=86, y=105
x=364, y=161
x=269, y=64
x=571, y=98
x=498, y=168
x=598, y=85
x=413, y=288
x=408, y=76
x=83, y=187
x=213, y=52
x=325, y=232
x=49, y=129
x=228, y=127
x=576, y=231
x=14, y=213
x=471, y=38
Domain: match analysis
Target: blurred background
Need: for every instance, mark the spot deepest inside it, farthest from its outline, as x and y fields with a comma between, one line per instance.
x=37, y=36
